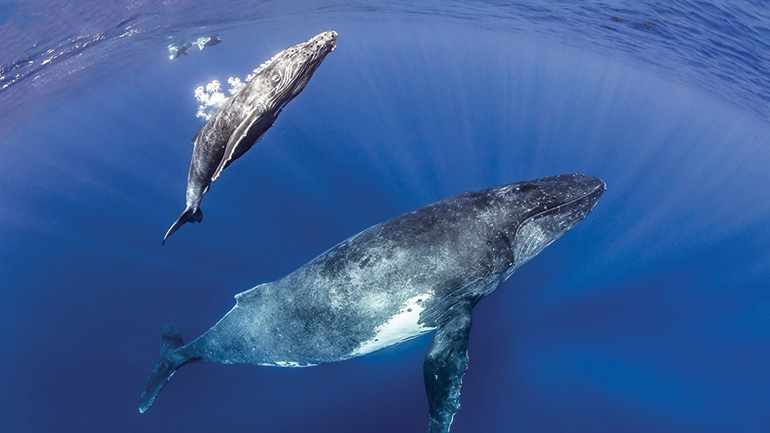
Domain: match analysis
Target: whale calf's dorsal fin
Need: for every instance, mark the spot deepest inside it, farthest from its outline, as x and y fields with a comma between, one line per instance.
x=196, y=136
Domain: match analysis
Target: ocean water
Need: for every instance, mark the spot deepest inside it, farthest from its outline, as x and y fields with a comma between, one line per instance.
x=653, y=314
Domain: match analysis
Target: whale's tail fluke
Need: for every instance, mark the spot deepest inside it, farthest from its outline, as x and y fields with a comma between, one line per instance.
x=188, y=216
x=171, y=358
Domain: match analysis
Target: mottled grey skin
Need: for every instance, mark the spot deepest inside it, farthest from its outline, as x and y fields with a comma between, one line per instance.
x=245, y=116
x=439, y=261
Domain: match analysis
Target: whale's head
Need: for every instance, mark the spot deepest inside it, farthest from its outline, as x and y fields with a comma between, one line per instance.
x=288, y=72
x=543, y=210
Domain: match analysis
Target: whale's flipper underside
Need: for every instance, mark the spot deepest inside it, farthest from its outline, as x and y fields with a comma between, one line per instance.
x=445, y=365
x=243, y=138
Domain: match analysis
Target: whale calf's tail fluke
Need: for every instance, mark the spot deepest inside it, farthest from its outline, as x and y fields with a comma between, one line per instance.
x=171, y=358
x=188, y=216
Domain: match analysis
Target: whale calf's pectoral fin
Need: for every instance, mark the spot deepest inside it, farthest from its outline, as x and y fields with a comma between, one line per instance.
x=242, y=139
x=444, y=367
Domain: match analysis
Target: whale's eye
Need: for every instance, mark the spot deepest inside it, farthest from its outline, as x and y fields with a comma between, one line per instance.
x=276, y=77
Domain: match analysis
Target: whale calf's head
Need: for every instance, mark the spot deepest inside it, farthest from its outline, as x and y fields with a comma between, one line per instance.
x=288, y=72
x=547, y=208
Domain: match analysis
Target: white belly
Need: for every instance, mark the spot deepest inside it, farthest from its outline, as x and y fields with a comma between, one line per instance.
x=402, y=326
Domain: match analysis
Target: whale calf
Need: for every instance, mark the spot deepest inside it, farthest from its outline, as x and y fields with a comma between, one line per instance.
x=246, y=115
x=416, y=273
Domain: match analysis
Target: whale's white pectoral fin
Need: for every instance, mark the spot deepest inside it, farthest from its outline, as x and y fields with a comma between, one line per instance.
x=243, y=138
x=445, y=365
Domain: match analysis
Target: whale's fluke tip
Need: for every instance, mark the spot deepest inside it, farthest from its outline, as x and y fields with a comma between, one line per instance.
x=171, y=358
x=188, y=216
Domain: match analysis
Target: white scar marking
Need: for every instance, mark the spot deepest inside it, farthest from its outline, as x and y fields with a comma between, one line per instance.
x=403, y=326
x=291, y=364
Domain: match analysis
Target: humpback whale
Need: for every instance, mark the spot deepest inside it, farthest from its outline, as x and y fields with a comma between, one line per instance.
x=419, y=272
x=246, y=115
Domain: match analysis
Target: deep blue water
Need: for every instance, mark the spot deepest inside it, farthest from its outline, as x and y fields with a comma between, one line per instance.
x=651, y=315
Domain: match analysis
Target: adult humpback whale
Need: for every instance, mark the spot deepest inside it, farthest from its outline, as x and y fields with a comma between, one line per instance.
x=245, y=116
x=418, y=272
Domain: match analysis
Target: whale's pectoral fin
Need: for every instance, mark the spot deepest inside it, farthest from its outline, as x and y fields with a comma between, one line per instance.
x=243, y=138
x=445, y=365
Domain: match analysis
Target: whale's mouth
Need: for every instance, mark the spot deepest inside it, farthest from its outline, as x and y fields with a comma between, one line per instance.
x=537, y=231
x=592, y=196
x=322, y=43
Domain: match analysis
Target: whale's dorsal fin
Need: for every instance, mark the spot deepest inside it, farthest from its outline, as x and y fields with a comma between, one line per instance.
x=241, y=140
x=196, y=136
x=445, y=365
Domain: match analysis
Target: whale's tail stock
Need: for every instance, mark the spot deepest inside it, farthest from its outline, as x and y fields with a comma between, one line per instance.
x=171, y=358
x=188, y=216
